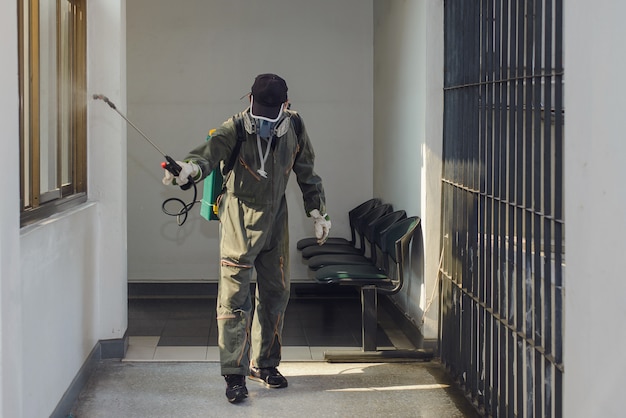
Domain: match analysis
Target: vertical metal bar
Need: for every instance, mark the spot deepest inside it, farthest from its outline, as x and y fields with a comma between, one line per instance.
x=519, y=201
x=64, y=101
x=549, y=369
x=558, y=206
x=529, y=363
x=23, y=102
x=474, y=30
x=487, y=215
x=537, y=205
x=459, y=213
x=475, y=351
x=528, y=202
x=79, y=177
x=504, y=367
x=505, y=231
x=500, y=50
x=510, y=412
x=34, y=105
x=509, y=121
x=474, y=184
x=466, y=312
x=547, y=209
x=519, y=371
x=488, y=362
x=457, y=228
x=472, y=142
x=456, y=297
x=485, y=285
x=494, y=111
x=482, y=287
x=488, y=103
x=480, y=346
x=528, y=166
x=495, y=400
x=548, y=178
x=497, y=156
x=448, y=132
x=443, y=315
x=510, y=64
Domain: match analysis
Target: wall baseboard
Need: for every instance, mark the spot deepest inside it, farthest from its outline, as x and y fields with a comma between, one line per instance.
x=171, y=290
x=103, y=350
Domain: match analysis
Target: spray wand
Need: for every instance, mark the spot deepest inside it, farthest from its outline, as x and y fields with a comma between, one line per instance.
x=169, y=164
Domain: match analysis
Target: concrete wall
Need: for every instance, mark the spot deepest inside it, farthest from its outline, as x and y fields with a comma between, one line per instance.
x=190, y=61
x=63, y=280
x=408, y=109
x=595, y=208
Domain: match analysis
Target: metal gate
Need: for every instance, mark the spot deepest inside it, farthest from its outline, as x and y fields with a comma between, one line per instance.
x=502, y=291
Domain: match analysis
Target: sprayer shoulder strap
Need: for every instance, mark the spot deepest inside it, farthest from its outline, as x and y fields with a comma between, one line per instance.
x=241, y=137
x=296, y=123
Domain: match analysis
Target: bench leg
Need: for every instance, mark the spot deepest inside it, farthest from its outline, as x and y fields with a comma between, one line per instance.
x=369, y=315
x=369, y=329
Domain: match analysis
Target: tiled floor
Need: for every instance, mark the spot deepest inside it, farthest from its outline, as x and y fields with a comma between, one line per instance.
x=316, y=389
x=172, y=370
x=184, y=329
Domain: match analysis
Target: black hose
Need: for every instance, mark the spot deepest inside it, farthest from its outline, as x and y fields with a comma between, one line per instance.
x=181, y=215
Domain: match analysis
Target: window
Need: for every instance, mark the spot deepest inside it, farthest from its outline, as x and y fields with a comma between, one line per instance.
x=53, y=131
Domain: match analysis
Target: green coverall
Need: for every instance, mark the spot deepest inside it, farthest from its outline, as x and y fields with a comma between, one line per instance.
x=255, y=234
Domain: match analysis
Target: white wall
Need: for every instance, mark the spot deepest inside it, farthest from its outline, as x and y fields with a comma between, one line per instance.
x=408, y=109
x=59, y=305
x=595, y=204
x=10, y=291
x=107, y=159
x=63, y=280
x=190, y=61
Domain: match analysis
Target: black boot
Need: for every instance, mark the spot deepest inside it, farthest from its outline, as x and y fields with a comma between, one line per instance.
x=269, y=376
x=236, y=390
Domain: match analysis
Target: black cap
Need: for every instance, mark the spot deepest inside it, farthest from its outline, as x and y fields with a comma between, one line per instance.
x=269, y=92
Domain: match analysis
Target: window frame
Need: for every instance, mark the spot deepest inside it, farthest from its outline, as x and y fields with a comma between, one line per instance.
x=69, y=110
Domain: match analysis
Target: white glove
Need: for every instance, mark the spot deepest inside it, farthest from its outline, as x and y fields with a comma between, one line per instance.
x=322, y=226
x=186, y=169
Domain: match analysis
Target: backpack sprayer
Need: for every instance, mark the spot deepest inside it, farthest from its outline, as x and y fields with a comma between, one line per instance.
x=169, y=164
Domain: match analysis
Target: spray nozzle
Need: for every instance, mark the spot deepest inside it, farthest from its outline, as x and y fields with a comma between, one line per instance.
x=104, y=99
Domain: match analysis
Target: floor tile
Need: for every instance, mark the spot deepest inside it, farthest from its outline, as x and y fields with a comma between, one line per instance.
x=195, y=341
x=181, y=353
x=295, y=340
x=317, y=353
x=296, y=353
x=139, y=353
x=213, y=353
x=183, y=329
x=142, y=341
x=332, y=340
x=146, y=326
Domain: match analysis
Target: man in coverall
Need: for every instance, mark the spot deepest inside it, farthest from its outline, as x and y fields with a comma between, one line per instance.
x=254, y=229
